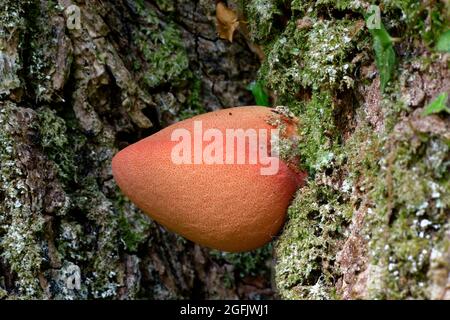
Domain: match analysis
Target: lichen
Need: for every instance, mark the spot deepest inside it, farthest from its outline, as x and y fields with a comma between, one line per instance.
x=262, y=14
x=193, y=106
x=318, y=58
x=307, y=247
x=410, y=216
x=318, y=139
x=19, y=225
x=313, y=7
x=103, y=275
x=54, y=141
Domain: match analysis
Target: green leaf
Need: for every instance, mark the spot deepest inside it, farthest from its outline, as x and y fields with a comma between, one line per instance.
x=259, y=93
x=437, y=105
x=384, y=55
x=443, y=43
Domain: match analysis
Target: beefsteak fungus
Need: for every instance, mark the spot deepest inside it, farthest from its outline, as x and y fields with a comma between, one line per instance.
x=185, y=178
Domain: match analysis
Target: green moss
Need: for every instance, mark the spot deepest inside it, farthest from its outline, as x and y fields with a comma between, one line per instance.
x=39, y=40
x=164, y=5
x=97, y=250
x=407, y=186
x=410, y=217
x=19, y=226
x=166, y=61
x=71, y=241
x=3, y=293
x=262, y=16
x=319, y=141
x=12, y=16
x=418, y=19
x=306, y=249
x=247, y=263
x=134, y=226
x=318, y=58
x=312, y=7
x=360, y=155
x=405, y=176
x=412, y=18
x=315, y=59
x=104, y=273
x=401, y=177
x=193, y=106
x=54, y=141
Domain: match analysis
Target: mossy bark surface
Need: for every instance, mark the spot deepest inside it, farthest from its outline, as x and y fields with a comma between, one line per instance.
x=372, y=220
x=80, y=80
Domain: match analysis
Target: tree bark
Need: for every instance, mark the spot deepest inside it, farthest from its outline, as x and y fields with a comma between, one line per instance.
x=78, y=81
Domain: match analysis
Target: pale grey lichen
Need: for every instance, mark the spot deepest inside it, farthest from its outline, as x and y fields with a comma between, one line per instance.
x=19, y=225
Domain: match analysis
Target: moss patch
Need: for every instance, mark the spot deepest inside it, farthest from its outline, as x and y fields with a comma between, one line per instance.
x=319, y=57
x=54, y=141
x=411, y=211
x=306, y=249
x=247, y=263
x=20, y=227
x=397, y=179
x=162, y=49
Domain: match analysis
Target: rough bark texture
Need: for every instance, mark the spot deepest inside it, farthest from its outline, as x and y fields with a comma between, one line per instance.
x=372, y=222
x=70, y=99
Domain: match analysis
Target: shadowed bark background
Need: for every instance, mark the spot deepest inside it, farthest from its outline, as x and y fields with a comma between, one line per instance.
x=372, y=222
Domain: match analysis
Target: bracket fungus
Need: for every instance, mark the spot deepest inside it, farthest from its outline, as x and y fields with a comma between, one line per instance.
x=215, y=179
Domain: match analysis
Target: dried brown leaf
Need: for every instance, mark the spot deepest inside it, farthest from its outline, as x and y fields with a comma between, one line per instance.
x=227, y=21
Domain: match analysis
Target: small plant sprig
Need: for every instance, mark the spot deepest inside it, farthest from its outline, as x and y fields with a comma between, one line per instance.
x=259, y=93
x=438, y=105
x=385, y=57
